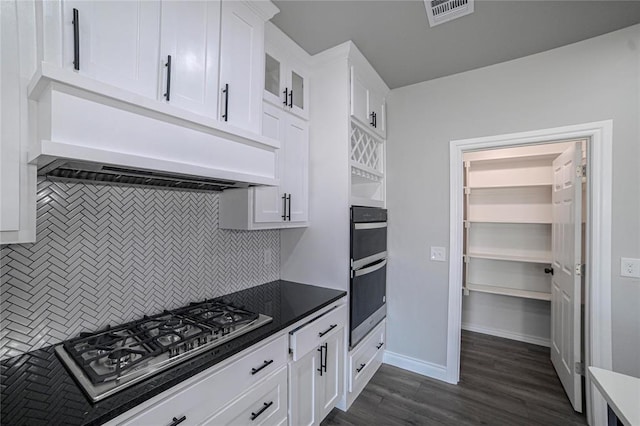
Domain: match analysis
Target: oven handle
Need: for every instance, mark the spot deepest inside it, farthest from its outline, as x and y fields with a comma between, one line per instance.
x=365, y=271
x=372, y=225
x=357, y=264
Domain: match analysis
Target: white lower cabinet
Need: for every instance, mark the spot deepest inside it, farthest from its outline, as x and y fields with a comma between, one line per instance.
x=316, y=375
x=265, y=404
x=211, y=393
x=364, y=361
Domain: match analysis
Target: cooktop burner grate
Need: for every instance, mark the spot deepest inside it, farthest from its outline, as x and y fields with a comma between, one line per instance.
x=113, y=358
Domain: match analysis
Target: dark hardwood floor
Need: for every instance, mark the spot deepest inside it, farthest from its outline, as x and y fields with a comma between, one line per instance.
x=502, y=382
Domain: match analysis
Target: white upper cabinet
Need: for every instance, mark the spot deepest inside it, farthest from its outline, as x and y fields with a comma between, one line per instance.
x=115, y=42
x=286, y=75
x=241, y=66
x=190, y=39
x=215, y=50
x=367, y=103
x=283, y=206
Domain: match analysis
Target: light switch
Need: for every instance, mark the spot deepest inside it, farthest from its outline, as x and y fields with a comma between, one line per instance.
x=630, y=267
x=439, y=254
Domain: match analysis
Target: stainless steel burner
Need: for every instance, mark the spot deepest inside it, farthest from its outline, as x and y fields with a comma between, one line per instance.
x=108, y=361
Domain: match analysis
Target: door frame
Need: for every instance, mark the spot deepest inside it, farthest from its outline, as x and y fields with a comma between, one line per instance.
x=597, y=334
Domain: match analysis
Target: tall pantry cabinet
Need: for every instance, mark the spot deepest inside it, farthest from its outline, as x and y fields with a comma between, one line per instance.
x=347, y=141
x=508, y=241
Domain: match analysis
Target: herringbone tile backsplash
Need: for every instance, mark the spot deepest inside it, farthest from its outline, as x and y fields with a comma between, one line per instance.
x=107, y=255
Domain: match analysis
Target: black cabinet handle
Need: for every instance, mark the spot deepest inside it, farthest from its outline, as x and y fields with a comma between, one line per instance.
x=548, y=271
x=375, y=120
x=76, y=40
x=326, y=351
x=262, y=410
x=322, y=333
x=284, y=206
x=289, y=207
x=321, y=350
x=286, y=96
x=379, y=345
x=226, y=102
x=291, y=98
x=371, y=123
x=167, y=95
x=255, y=370
x=361, y=367
x=178, y=421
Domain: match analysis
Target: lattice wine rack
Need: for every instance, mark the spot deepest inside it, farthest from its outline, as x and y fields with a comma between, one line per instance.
x=366, y=155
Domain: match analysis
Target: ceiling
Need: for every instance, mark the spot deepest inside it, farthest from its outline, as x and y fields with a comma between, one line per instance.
x=396, y=38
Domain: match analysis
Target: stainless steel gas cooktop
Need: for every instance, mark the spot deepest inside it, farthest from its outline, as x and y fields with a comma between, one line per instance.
x=110, y=360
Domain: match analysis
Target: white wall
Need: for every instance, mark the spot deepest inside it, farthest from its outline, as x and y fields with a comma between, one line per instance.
x=593, y=80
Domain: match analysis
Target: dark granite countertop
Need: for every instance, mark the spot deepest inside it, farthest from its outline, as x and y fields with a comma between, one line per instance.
x=38, y=390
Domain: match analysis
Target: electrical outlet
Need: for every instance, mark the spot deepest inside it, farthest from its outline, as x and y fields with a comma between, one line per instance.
x=267, y=256
x=630, y=267
x=439, y=254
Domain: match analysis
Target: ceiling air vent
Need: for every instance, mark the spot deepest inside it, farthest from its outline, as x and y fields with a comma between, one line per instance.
x=440, y=11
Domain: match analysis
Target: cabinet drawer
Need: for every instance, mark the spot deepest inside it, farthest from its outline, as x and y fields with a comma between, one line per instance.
x=309, y=336
x=367, y=357
x=203, y=398
x=266, y=404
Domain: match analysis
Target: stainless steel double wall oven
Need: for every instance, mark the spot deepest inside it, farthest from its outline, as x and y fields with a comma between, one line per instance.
x=368, y=289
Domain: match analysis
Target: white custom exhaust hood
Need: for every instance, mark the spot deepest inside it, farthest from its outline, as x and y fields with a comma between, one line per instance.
x=87, y=130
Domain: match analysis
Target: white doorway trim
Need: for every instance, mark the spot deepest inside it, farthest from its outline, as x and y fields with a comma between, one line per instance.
x=598, y=298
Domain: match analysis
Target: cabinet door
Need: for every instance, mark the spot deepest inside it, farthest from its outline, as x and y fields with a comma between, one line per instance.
x=190, y=35
x=295, y=169
x=268, y=201
x=359, y=107
x=298, y=91
x=377, y=107
x=331, y=383
x=241, y=66
x=275, y=76
x=118, y=42
x=303, y=382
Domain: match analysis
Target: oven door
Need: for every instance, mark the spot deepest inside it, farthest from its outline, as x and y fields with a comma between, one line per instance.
x=368, y=243
x=368, y=299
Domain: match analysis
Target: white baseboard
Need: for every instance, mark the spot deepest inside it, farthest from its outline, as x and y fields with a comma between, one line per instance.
x=425, y=368
x=540, y=341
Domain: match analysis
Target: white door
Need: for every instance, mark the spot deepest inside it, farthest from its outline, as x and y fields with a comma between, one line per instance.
x=118, y=42
x=377, y=107
x=295, y=173
x=332, y=379
x=303, y=377
x=359, y=108
x=241, y=66
x=191, y=36
x=268, y=201
x=566, y=279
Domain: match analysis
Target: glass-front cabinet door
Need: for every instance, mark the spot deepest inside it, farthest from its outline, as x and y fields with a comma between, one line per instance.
x=285, y=84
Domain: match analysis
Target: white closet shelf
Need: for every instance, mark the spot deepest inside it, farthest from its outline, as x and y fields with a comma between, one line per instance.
x=511, y=185
x=526, y=294
x=511, y=257
x=540, y=222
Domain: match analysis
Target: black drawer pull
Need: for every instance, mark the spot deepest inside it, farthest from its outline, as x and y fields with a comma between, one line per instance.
x=255, y=370
x=286, y=96
x=379, y=345
x=262, y=410
x=361, y=367
x=178, y=421
x=327, y=330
